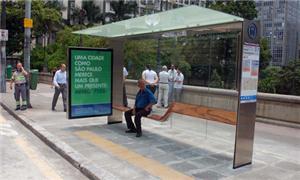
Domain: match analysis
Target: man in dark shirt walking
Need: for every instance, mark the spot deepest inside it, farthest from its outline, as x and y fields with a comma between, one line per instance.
x=143, y=105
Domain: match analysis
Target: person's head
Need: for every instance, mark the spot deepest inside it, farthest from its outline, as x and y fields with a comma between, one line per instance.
x=148, y=67
x=172, y=66
x=63, y=67
x=141, y=84
x=164, y=68
x=19, y=66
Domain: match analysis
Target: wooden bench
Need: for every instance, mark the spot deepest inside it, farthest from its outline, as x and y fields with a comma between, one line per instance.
x=214, y=114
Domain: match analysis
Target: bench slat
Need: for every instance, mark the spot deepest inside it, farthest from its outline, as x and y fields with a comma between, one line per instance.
x=214, y=114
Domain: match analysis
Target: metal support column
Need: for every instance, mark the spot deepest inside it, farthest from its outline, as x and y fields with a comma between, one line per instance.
x=117, y=94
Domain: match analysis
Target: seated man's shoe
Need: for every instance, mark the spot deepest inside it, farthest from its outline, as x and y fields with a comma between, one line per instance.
x=138, y=134
x=17, y=108
x=23, y=108
x=130, y=131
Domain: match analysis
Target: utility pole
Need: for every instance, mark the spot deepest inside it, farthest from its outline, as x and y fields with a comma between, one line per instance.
x=3, y=49
x=27, y=45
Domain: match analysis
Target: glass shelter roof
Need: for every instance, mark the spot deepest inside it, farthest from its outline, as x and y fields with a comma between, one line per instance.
x=184, y=18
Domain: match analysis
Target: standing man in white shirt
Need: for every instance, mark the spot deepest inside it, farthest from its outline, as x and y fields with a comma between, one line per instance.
x=60, y=83
x=163, y=89
x=151, y=78
x=178, y=85
x=172, y=73
x=125, y=74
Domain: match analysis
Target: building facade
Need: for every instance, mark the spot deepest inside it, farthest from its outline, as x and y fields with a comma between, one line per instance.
x=280, y=24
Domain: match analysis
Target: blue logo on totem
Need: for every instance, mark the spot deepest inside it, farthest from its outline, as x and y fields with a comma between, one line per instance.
x=252, y=31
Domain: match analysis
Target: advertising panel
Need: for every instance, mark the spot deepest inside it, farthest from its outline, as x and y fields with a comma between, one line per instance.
x=90, y=82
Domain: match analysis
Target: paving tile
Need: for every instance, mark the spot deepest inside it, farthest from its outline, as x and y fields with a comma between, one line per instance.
x=166, y=158
x=188, y=154
x=150, y=152
x=222, y=157
x=183, y=166
x=271, y=173
x=208, y=175
x=288, y=166
x=207, y=162
x=171, y=147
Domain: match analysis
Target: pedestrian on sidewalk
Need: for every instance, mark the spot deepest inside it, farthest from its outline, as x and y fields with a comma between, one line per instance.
x=60, y=83
x=19, y=78
x=172, y=73
x=125, y=74
x=163, y=89
x=143, y=105
x=178, y=85
x=150, y=77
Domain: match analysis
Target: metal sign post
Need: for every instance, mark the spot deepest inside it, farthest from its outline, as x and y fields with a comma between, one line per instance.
x=248, y=79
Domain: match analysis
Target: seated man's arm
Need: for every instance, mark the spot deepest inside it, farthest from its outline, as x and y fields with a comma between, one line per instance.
x=152, y=101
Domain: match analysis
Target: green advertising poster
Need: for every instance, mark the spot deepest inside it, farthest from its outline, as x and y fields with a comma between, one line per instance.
x=90, y=82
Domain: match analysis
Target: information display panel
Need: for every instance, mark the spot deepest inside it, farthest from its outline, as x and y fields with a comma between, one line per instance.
x=90, y=82
x=250, y=67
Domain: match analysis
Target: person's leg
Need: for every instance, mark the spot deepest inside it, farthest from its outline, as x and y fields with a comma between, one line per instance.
x=137, y=121
x=55, y=97
x=160, y=94
x=166, y=94
x=129, y=122
x=175, y=95
x=23, y=95
x=17, y=97
x=171, y=94
x=64, y=97
x=179, y=94
x=125, y=102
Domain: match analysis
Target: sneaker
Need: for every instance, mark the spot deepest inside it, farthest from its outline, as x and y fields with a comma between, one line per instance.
x=130, y=131
x=53, y=109
x=17, y=108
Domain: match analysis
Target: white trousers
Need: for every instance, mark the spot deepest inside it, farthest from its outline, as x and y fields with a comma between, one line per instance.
x=163, y=93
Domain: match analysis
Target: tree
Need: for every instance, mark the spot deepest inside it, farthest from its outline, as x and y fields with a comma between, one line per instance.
x=265, y=54
x=56, y=53
x=269, y=80
x=290, y=79
x=245, y=9
x=122, y=10
x=45, y=20
x=93, y=13
x=216, y=81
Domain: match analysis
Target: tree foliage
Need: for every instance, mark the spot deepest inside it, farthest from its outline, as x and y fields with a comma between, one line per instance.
x=265, y=54
x=245, y=9
x=57, y=53
x=45, y=20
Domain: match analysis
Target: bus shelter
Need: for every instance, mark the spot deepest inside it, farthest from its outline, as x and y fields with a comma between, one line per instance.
x=189, y=21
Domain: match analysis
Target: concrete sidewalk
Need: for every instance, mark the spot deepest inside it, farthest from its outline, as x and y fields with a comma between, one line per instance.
x=185, y=147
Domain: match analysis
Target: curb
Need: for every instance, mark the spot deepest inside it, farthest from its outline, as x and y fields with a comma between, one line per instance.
x=85, y=166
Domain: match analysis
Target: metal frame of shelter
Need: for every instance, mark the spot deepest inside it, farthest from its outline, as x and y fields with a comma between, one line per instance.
x=191, y=19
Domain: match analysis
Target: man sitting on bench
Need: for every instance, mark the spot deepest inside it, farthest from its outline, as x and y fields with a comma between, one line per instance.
x=143, y=105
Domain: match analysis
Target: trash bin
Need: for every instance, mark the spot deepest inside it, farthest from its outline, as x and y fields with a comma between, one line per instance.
x=8, y=71
x=34, y=74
